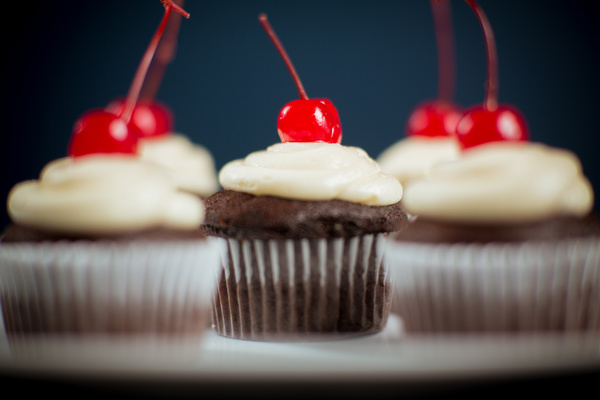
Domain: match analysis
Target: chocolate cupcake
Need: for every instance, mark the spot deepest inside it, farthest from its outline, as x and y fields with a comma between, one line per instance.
x=105, y=244
x=505, y=240
x=306, y=225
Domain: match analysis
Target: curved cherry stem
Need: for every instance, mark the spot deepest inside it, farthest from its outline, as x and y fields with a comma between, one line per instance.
x=491, y=90
x=442, y=19
x=265, y=23
x=165, y=53
x=140, y=74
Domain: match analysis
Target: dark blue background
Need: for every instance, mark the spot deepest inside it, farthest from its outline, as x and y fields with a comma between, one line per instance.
x=374, y=59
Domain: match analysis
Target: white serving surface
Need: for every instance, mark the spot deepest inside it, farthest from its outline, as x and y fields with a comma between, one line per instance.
x=386, y=356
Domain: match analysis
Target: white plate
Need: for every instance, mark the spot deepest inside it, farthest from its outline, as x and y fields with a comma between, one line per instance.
x=386, y=356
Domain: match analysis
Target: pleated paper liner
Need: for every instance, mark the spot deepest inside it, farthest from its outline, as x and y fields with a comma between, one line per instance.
x=139, y=287
x=288, y=290
x=551, y=286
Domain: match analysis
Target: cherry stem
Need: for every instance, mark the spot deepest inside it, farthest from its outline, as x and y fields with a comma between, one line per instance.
x=491, y=90
x=140, y=74
x=265, y=23
x=165, y=53
x=442, y=17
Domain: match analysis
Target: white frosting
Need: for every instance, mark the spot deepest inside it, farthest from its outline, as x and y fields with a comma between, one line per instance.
x=191, y=166
x=502, y=182
x=103, y=194
x=312, y=171
x=414, y=156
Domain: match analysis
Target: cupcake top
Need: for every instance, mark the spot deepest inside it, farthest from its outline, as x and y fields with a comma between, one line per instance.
x=191, y=166
x=103, y=194
x=312, y=171
x=307, y=190
x=413, y=156
x=502, y=183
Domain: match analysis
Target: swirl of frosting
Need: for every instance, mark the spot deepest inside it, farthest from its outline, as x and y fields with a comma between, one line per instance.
x=502, y=182
x=414, y=156
x=103, y=194
x=191, y=166
x=312, y=171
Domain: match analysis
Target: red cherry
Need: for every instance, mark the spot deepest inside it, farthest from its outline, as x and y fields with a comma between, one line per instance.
x=433, y=118
x=309, y=121
x=99, y=131
x=304, y=120
x=150, y=118
x=479, y=126
x=490, y=122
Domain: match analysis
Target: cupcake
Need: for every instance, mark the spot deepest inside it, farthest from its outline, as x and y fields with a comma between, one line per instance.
x=504, y=241
x=505, y=238
x=305, y=225
x=305, y=222
x=105, y=244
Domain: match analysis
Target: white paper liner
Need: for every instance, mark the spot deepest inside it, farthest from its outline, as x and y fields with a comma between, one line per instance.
x=530, y=286
x=301, y=289
x=125, y=287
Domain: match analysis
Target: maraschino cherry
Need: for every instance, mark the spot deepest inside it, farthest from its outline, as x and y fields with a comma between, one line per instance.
x=304, y=120
x=490, y=122
x=439, y=117
x=102, y=131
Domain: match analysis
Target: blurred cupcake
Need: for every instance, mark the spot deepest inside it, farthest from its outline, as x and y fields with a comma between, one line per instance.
x=306, y=225
x=504, y=240
x=430, y=130
x=105, y=243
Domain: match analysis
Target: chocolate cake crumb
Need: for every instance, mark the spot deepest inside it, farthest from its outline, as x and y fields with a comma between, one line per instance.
x=562, y=227
x=241, y=215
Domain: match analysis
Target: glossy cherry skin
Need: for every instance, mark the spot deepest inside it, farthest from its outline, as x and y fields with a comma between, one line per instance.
x=313, y=120
x=150, y=118
x=479, y=125
x=99, y=131
x=433, y=118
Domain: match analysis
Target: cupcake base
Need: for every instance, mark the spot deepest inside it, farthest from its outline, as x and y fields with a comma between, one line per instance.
x=302, y=289
x=108, y=287
x=535, y=286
